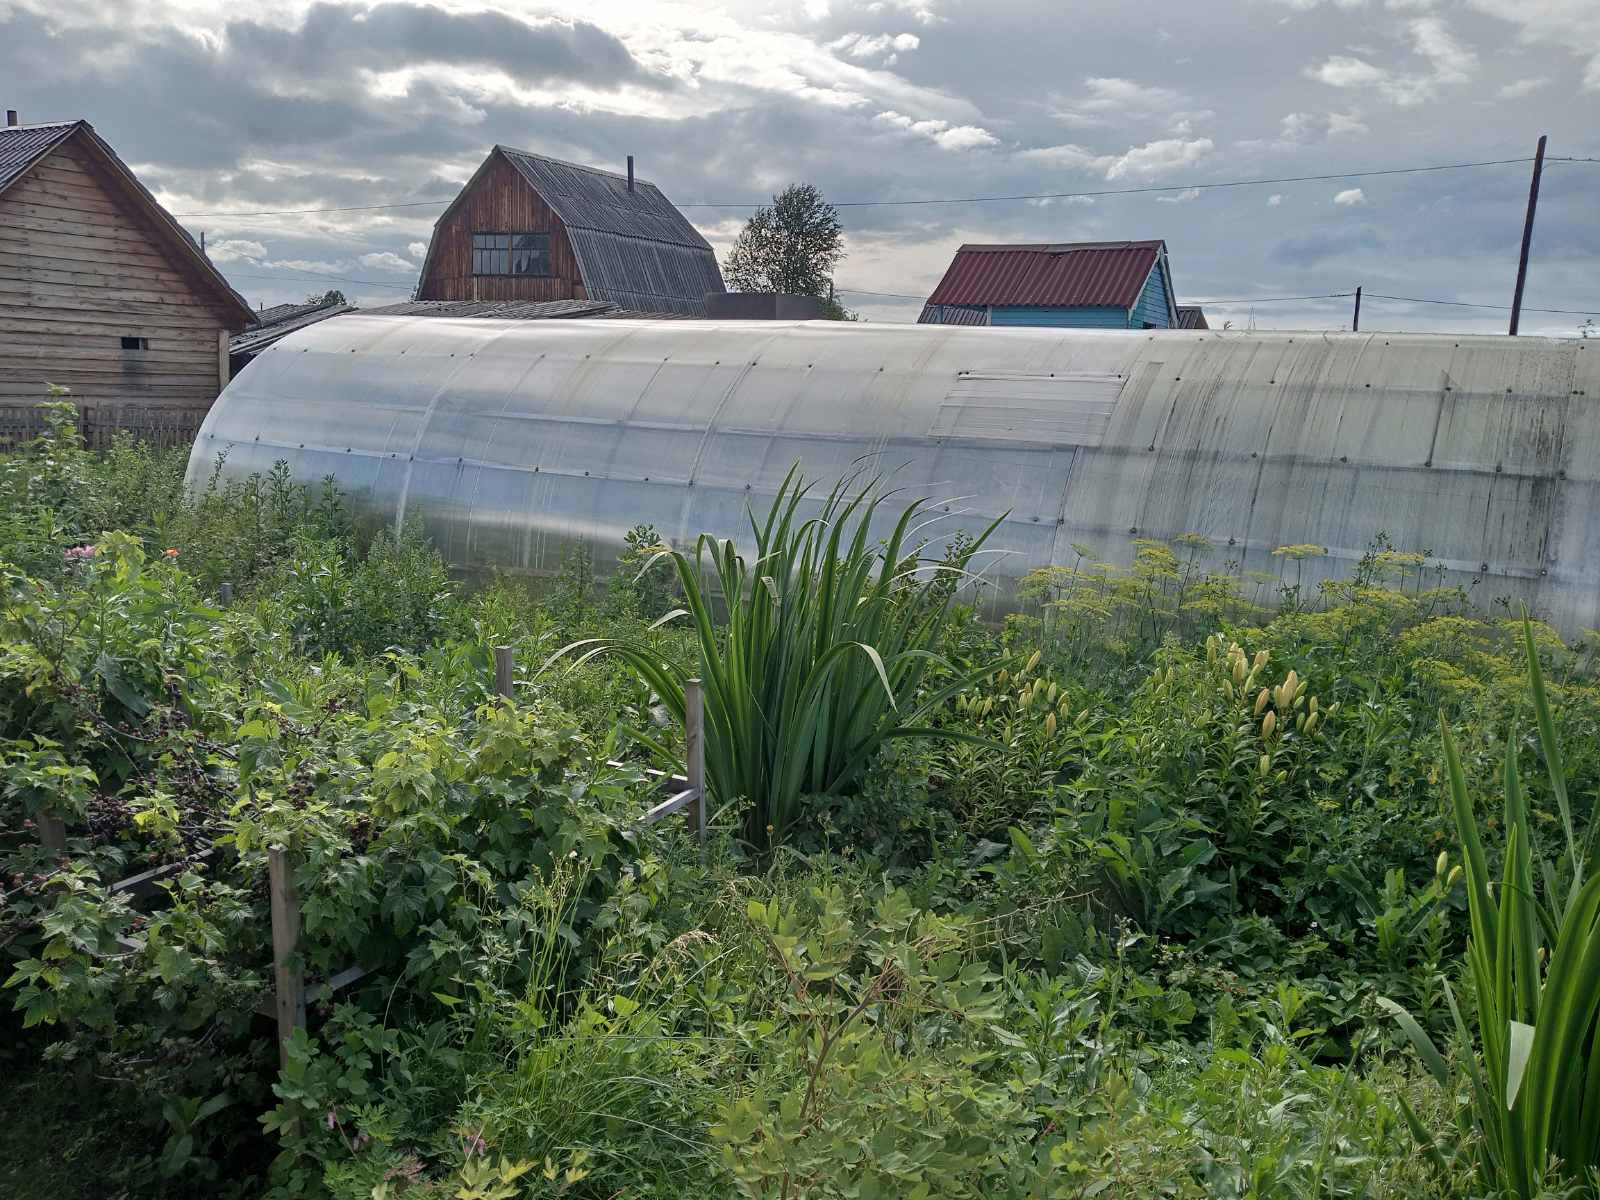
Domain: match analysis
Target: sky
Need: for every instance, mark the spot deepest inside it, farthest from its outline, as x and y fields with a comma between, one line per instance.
x=229, y=110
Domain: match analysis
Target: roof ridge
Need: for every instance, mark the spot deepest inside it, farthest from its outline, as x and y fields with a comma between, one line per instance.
x=562, y=162
x=42, y=125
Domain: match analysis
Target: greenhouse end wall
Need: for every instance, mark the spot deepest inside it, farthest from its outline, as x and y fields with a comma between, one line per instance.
x=510, y=440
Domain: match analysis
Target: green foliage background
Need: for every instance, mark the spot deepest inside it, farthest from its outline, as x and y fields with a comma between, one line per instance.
x=1126, y=935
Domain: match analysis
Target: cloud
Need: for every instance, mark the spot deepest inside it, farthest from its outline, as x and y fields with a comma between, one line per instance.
x=340, y=37
x=1112, y=92
x=1274, y=200
x=1350, y=197
x=1448, y=61
x=885, y=46
x=941, y=133
x=1343, y=71
x=386, y=260
x=1159, y=157
x=1452, y=61
x=235, y=250
x=1308, y=250
x=1520, y=88
x=417, y=250
x=1182, y=197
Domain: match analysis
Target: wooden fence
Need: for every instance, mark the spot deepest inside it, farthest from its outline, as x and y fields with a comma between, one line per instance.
x=290, y=991
x=99, y=423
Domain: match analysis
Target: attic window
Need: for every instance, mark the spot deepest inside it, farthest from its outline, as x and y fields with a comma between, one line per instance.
x=511, y=254
x=135, y=343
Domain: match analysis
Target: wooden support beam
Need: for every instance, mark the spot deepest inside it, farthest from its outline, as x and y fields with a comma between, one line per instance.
x=52, y=830
x=288, y=978
x=683, y=802
x=146, y=883
x=694, y=754
x=505, y=672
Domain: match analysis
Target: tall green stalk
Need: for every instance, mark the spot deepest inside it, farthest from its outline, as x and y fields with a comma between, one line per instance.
x=1535, y=1075
x=824, y=655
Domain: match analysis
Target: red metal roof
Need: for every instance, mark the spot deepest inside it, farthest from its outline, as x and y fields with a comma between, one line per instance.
x=1065, y=275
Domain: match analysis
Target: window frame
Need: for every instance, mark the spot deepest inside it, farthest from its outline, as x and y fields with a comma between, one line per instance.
x=505, y=256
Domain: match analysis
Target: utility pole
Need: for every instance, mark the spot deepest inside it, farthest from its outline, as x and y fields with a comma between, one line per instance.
x=1527, y=237
x=1355, y=321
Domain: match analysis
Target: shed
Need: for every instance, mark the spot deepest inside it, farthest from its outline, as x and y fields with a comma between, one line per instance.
x=1075, y=285
x=104, y=293
x=1192, y=316
x=528, y=227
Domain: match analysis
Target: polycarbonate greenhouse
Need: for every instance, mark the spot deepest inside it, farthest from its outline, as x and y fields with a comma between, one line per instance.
x=510, y=440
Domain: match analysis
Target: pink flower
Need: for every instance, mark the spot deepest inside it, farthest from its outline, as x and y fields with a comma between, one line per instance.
x=79, y=553
x=170, y=552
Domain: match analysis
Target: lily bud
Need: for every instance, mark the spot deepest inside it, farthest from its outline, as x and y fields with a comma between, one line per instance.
x=1455, y=874
x=1312, y=722
x=1268, y=724
x=1266, y=765
x=1261, y=659
x=1238, y=670
x=1442, y=863
x=1261, y=701
x=1034, y=661
x=1050, y=724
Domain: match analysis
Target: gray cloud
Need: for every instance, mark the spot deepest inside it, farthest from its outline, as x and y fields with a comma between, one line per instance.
x=220, y=112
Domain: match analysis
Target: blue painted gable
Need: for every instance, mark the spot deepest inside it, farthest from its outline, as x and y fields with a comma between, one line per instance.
x=1153, y=309
x=1060, y=318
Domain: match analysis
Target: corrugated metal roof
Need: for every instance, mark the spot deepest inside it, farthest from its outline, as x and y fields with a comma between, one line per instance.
x=1190, y=316
x=279, y=321
x=1067, y=275
x=952, y=314
x=23, y=145
x=634, y=248
x=514, y=310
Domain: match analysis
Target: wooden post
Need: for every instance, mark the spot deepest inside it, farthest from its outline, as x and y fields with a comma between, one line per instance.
x=52, y=830
x=505, y=669
x=288, y=978
x=1527, y=237
x=1355, y=322
x=225, y=594
x=694, y=754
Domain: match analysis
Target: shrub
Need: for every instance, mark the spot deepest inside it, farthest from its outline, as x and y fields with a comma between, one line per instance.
x=827, y=645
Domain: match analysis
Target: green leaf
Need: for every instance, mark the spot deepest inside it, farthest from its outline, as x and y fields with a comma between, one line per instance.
x=1521, y=1044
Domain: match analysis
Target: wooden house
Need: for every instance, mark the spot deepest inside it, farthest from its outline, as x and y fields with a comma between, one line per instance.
x=1072, y=285
x=103, y=293
x=531, y=228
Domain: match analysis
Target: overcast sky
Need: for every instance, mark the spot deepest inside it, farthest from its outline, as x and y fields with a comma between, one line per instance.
x=298, y=105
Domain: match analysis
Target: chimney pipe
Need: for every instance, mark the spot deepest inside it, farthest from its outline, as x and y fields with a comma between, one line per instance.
x=630, y=172
x=11, y=117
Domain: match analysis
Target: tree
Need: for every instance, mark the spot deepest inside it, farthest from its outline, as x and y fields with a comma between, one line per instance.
x=331, y=296
x=790, y=246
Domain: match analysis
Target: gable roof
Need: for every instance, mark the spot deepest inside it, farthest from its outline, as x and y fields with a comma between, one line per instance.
x=280, y=321
x=23, y=147
x=1054, y=275
x=634, y=248
x=1191, y=316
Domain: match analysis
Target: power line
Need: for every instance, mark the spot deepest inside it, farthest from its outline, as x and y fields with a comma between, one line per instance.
x=1570, y=312
x=297, y=272
x=1277, y=299
x=1134, y=191
x=1129, y=191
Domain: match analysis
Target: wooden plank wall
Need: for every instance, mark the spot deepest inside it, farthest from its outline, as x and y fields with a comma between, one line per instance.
x=501, y=202
x=77, y=274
